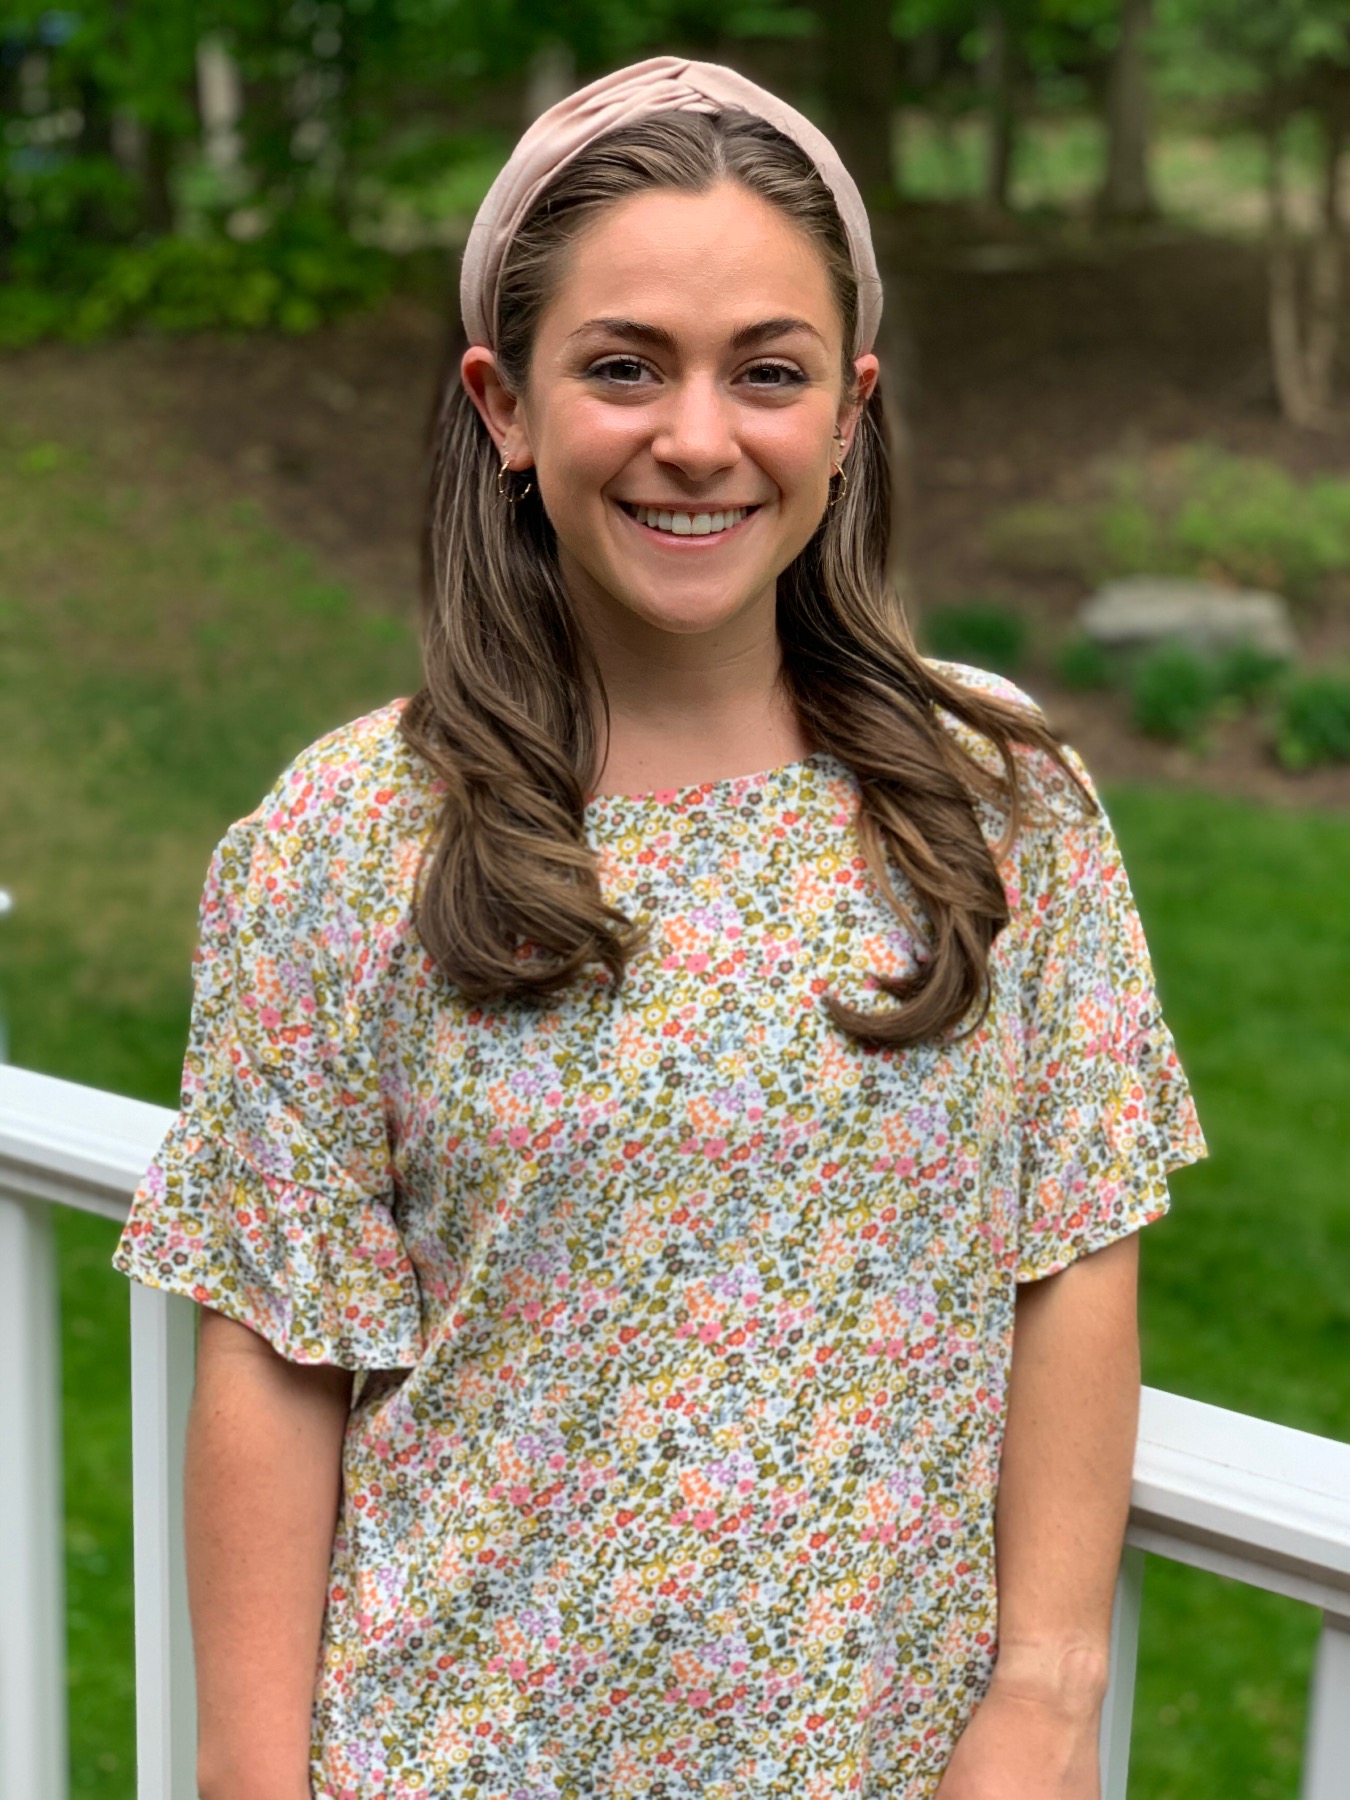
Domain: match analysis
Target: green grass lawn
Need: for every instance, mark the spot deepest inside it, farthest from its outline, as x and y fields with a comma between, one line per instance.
x=161, y=657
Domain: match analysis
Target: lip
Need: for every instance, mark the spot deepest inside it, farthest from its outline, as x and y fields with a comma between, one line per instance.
x=668, y=540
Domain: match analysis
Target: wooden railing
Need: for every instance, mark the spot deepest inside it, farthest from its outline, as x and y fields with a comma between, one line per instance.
x=1218, y=1490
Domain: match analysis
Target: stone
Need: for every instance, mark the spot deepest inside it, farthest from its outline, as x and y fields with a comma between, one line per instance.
x=1141, y=612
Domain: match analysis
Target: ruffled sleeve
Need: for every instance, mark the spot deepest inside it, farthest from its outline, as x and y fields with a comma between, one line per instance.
x=1106, y=1108
x=271, y=1199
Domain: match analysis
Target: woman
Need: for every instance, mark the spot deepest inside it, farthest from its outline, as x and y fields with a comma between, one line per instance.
x=669, y=1107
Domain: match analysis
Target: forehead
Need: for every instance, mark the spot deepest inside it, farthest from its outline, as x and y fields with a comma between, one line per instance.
x=706, y=263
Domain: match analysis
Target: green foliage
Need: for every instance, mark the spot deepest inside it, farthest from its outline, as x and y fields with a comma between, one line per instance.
x=1172, y=693
x=1083, y=664
x=1202, y=510
x=294, y=278
x=343, y=97
x=1313, y=720
x=1195, y=510
x=1246, y=52
x=1246, y=673
x=981, y=632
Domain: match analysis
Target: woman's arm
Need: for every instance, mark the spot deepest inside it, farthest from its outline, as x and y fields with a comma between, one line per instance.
x=262, y=1483
x=1063, y=1500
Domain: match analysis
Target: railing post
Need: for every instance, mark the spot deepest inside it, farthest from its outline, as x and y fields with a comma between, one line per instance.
x=1326, y=1756
x=33, y=1754
x=1118, y=1709
x=163, y=1361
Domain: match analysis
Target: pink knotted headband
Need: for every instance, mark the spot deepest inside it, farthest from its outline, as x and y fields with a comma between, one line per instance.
x=662, y=84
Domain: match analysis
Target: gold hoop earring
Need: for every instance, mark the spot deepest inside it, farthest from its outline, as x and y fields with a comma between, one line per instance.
x=842, y=473
x=503, y=491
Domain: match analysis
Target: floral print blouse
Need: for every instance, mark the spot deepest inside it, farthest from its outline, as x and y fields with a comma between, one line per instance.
x=681, y=1320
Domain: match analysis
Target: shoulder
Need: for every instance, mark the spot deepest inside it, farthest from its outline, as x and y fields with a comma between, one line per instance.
x=341, y=827
x=352, y=776
x=984, y=681
x=1049, y=792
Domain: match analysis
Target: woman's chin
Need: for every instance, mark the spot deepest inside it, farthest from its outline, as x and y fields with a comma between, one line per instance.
x=682, y=616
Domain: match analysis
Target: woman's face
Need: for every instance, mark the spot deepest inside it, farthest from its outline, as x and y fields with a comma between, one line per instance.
x=684, y=394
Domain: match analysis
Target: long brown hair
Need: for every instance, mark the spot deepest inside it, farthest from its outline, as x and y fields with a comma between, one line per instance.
x=509, y=902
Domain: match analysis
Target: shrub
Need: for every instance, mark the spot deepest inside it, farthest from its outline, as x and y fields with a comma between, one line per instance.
x=1313, y=720
x=1173, y=691
x=982, y=633
x=300, y=273
x=1194, y=511
x=1245, y=673
x=1083, y=664
x=1201, y=511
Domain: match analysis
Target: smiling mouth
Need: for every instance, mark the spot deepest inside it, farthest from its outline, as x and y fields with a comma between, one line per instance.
x=687, y=524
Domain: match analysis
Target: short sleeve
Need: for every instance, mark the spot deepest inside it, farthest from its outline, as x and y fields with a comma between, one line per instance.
x=271, y=1198
x=1107, y=1112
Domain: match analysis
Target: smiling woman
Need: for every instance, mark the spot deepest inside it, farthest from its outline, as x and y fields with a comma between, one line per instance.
x=633, y=1360
x=719, y=388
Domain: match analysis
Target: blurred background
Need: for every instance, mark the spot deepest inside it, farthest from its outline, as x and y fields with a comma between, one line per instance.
x=1117, y=312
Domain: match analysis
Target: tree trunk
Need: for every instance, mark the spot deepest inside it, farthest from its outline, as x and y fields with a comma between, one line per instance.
x=1127, y=192
x=1326, y=274
x=157, y=204
x=998, y=77
x=95, y=143
x=859, y=81
x=1288, y=355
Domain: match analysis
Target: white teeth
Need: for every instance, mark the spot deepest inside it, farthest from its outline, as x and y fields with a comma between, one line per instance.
x=681, y=524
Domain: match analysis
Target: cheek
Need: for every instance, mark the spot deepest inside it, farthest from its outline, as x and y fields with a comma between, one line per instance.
x=793, y=454
x=586, y=446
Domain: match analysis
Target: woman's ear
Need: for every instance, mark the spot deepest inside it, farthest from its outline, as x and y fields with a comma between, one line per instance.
x=496, y=405
x=866, y=371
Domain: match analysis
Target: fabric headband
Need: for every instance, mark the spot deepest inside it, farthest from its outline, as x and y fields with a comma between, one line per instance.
x=662, y=84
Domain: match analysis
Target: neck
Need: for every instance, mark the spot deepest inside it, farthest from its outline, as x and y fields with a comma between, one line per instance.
x=690, y=706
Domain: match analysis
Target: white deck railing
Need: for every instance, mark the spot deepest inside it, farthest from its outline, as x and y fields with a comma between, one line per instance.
x=1221, y=1491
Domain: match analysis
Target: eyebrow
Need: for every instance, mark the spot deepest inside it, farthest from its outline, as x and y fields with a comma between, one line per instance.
x=634, y=331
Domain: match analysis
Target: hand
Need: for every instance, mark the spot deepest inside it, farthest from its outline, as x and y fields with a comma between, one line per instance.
x=1029, y=1739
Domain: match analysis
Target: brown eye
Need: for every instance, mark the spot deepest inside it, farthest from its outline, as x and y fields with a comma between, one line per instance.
x=625, y=370
x=774, y=375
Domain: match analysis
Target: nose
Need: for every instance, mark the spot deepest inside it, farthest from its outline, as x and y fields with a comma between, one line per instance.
x=695, y=433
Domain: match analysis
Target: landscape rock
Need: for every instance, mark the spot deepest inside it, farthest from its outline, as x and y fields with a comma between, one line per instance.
x=1143, y=611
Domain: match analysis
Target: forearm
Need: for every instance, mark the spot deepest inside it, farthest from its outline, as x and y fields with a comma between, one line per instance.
x=262, y=1487
x=1064, y=1484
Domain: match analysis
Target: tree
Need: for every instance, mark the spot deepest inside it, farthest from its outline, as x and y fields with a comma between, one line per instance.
x=859, y=77
x=1127, y=191
x=1269, y=65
